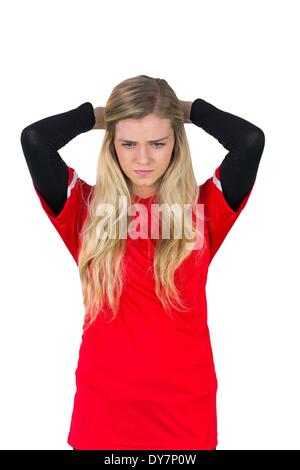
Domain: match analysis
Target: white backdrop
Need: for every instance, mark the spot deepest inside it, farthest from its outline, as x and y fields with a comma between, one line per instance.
x=240, y=56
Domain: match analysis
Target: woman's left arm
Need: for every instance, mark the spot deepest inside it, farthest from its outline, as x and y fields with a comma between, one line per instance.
x=244, y=141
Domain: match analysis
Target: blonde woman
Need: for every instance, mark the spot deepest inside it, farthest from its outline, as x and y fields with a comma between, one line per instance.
x=145, y=377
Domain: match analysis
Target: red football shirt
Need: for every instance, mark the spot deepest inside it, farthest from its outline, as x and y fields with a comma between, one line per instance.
x=145, y=380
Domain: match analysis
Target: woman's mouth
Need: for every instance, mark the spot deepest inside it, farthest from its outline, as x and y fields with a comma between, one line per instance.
x=143, y=172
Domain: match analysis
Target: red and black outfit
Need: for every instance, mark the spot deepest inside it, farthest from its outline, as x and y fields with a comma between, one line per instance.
x=145, y=380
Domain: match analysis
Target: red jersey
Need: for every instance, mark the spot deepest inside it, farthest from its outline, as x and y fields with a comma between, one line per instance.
x=144, y=380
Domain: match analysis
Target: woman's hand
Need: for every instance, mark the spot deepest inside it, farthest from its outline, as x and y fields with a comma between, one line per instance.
x=186, y=107
x=99, y=113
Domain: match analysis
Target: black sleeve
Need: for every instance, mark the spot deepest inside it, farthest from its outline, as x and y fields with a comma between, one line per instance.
x=40, y=142
x=245, y=143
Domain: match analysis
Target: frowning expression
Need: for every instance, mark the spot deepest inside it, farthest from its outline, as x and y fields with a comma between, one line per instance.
x=144, y=144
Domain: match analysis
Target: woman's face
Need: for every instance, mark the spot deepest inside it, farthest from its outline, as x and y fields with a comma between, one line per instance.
x=144, y=144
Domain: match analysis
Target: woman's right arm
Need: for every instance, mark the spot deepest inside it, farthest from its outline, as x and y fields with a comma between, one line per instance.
x=40, y=143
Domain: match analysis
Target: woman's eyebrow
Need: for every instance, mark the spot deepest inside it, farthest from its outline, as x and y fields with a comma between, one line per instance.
x=149, y=141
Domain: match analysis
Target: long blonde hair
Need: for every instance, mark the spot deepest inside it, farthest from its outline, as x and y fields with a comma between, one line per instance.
x=100, y=259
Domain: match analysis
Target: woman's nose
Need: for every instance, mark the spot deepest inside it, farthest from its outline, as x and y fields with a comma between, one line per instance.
x=143, y=156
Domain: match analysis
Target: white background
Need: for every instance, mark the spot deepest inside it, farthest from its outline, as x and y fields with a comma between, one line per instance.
x=240, y=56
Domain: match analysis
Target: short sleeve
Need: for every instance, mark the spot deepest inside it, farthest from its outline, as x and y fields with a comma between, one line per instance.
x=219, y=215
x=70, y=219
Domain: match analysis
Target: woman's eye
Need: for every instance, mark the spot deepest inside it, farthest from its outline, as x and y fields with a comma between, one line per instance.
x=125, y=145
x=154, y=143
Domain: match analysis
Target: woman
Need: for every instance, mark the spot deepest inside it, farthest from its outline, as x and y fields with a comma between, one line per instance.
x=145, y=377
